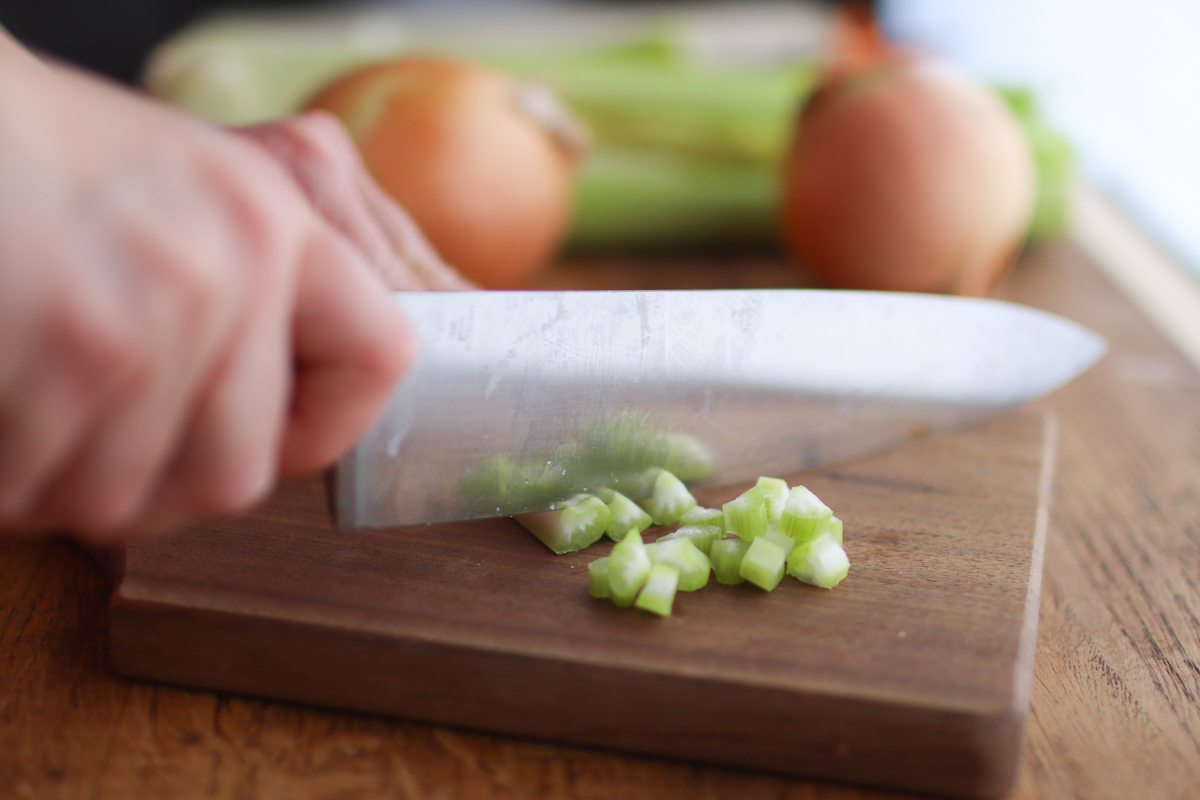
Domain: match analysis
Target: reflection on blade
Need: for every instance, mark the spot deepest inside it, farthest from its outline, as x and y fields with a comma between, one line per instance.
x=519, y=399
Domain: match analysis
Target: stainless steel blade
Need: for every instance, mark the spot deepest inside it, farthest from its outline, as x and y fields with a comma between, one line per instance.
x=519, y=399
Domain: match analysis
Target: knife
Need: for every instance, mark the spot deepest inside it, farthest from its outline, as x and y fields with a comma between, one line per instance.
x=517, y=400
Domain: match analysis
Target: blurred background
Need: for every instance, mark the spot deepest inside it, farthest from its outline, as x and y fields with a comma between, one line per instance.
x=691, y=103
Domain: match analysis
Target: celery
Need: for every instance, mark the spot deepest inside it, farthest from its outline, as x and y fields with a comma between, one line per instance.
x=821, y=562
x=698, y=515
x=685, y=556
x=669, y=500
x=763, y=563
x=775, y=491
x=658, y=593
x=625, y=515
x=746, y=514
x=835, y=527
x=628, y=567
x=598, y=578
x=785, y=542
x=805, y=517
x=700, y=535
x=577, y=523
x=655, y=199
x=726, y=557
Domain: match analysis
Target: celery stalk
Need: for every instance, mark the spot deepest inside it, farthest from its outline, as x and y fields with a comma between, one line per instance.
x=683, y=555
x=575, y=524
x=726, y=557
x=598, y=578
x=835, y=527
x=775, y=491
x=700, y=535
x=804, y=517
x=658, y=593
x=821, y=562
x=670, y=499
x=649, y=199
x=628, y=567
x=746, y=514
x=625, y=515
x=763, y=563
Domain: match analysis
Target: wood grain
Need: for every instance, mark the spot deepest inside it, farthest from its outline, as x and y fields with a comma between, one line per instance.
x=913, y=673
x=1114, y=711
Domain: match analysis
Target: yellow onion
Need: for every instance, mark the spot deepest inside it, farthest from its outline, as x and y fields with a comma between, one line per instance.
x=906, y=175
x=482, y=162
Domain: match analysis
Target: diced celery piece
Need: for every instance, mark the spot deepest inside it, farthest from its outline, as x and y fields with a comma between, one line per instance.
x=658, y=593
x=670, y=499
x=763, y=563
x=821, y=562
x=701, y=535
x=775, y=490
x=699, y=515
x=683, y=555
x=687, y=459
x=628, y=566
x=785, y=542
x=575, y=524
x=746, y=514
x=804, y=516
x=726, y=557
x=624, y=514
x=598, y=578
x=835, y=527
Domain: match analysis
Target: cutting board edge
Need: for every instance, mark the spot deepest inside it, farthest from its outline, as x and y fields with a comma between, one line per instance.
x=962, y=752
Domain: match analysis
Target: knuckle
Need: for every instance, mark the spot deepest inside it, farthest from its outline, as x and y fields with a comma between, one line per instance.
x=98, y=348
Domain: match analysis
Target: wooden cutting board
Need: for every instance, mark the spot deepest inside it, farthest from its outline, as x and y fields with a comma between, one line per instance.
x=913, y=673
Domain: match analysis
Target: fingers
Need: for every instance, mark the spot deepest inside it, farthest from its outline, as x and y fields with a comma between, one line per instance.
x=119, y=459
x=66, y=371
x=351, y=345
x=417, y=256
x=324, y=162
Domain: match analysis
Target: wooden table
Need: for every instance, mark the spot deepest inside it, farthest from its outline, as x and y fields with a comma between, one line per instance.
x=1115, y=710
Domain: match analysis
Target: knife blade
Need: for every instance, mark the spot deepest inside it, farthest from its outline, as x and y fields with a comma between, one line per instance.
x=517, y=400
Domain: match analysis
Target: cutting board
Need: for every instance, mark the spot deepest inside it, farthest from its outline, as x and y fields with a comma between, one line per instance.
x=914, y=672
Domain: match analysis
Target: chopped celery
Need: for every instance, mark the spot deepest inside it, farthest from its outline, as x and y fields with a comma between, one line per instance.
x=785, y=542
x=821, y=562
x=700, y=535
x=625, y=514
x=658, y=593
x=726, y=557
x=598, y=578
x=683, y=555
x=628, y=567
x=835, y=527
x=775, y=491
x=746, y=514
x=670, y=499
x=686, y=457
x=577, y=523
x=804, y=516
x=763, y=563
x=698, y=515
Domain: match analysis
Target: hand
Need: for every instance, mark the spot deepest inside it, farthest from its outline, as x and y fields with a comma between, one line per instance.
x=326, y=165
x=177, y=325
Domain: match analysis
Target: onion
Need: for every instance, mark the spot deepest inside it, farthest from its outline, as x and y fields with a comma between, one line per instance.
x=483, y=163
x=906, y=175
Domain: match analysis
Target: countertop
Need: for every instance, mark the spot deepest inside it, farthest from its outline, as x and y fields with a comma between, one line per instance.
x=1115, y=709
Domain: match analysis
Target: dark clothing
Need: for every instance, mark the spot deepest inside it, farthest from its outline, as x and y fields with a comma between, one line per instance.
x=109, y=36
